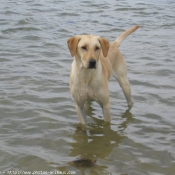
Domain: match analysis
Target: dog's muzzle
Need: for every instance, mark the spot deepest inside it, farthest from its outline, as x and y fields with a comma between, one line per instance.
x=92, y=64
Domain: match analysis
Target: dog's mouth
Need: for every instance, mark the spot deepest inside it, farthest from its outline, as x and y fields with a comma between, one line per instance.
x=92, y=67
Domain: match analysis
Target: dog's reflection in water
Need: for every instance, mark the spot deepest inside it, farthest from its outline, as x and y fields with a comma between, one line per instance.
x=96, y=141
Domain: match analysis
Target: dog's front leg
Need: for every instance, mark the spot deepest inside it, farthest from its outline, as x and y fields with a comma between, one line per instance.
x=106, y=112
x=81, y=113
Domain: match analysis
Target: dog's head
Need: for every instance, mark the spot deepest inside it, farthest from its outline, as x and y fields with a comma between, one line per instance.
x=87, y=48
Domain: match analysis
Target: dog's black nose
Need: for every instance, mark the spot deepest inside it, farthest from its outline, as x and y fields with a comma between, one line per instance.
x=92, y=64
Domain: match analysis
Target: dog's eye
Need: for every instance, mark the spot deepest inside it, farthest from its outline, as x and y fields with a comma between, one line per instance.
x=97, y=48
x=84, y=47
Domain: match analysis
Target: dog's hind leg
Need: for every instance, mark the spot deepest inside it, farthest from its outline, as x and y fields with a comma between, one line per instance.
x=120, y=73
x=81, y=113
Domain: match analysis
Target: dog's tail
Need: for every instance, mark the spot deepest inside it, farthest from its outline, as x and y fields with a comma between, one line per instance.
x=125, y=34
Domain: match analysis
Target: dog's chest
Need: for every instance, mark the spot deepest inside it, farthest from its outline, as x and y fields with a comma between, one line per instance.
x=85, y=92
x=85, y=84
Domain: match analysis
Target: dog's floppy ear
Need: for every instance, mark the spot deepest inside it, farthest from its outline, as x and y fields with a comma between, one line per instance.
x=104, y=45
x=72, y=44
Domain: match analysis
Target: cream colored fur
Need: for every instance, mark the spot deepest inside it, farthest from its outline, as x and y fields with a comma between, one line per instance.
x=95, y=60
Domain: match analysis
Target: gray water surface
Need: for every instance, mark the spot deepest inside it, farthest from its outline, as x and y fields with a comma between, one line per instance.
x=39, y=128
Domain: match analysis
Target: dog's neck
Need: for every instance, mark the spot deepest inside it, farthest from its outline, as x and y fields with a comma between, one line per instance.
x=88, y=76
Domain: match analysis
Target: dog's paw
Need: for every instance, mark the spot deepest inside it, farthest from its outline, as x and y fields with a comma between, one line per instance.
x=130, y=105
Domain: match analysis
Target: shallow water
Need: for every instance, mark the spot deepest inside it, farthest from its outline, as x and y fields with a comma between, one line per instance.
x=39, y=128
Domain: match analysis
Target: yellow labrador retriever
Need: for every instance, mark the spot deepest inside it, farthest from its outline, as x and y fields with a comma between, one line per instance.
x=95, y=60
